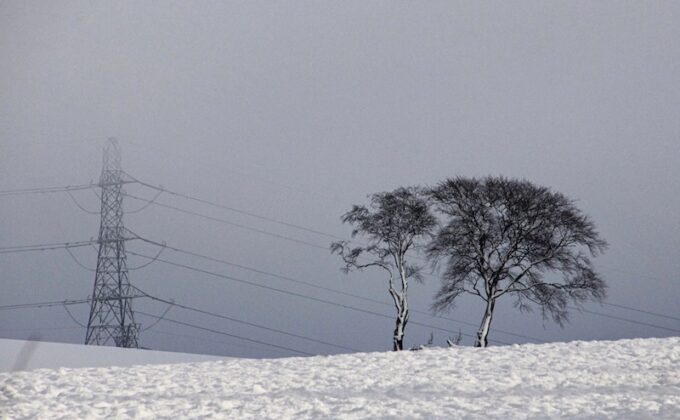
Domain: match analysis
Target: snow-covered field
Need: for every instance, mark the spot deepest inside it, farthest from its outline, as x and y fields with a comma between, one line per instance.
x=621, y=379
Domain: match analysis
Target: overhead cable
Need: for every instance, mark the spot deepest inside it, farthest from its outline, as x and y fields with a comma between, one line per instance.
x=235, y=210
x=44, y=247
x=227, y=222
x=300, y=295
x=47, y=190
x=214, y=331
x=195, y=337
x=329, y=289
x=251, y=324
x=58, y=303
x=630, y=308
x=79, y=205
x=628, y=320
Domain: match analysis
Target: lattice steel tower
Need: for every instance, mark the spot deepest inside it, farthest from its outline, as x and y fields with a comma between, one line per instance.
x=111, y=315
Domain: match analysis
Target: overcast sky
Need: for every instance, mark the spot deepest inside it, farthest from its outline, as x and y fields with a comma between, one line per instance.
x=297, y=110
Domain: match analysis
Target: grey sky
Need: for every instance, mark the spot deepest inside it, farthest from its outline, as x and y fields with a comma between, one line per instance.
x=297, y=110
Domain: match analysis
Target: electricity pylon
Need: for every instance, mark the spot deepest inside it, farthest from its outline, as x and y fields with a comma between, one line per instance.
x=111, y=315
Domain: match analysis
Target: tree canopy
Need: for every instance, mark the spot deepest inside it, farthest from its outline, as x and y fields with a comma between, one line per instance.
x=393, y=224
x=504, y=236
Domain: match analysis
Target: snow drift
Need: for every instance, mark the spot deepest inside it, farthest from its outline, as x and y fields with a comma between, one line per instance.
x=622, y=379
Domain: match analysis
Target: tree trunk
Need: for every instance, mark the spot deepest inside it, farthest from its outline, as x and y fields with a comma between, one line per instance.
x=402, y=320
x=483, y=332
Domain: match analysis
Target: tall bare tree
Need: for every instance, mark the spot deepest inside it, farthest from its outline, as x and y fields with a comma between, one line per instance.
x=510, y=237
x=393, y=224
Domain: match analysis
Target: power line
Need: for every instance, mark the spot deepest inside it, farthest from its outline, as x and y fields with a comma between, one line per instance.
x=64, y=303
x=139, y=267
x=79, y=205
x=631, y=321
x=67, y=245
x=38, y=328
x=216, y=315
x=300, y=295
x=44, y=304
x=377, y=313
x=44, y=247
x=161, y=188
x=186, y=324
x=194, y=337
x=248, y=213
x=630, y=308
x=242, y=226
x=73, y=318
x=83, y=266
x=235, y=210
x=309, y=284
x=609, y=268
x=387, y=304
x=47, y=190
x=227, y=222
x=81, y=301
x=152, y=201
x=326, y=234
x=55, y=303
x=165, y=312
x=244, y=212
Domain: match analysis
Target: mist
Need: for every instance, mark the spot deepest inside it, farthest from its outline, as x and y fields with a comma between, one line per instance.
x=296, y=111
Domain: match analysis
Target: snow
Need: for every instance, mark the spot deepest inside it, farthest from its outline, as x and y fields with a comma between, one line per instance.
x=27, y=355
x=620, y=379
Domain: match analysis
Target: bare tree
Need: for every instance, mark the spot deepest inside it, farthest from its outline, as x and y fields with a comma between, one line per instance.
x=393, y=224
x=504, y=237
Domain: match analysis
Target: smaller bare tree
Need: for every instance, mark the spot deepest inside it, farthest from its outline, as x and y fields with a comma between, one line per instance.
x=503, y=237
x=393, y=224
